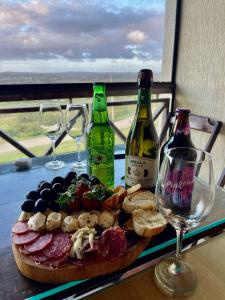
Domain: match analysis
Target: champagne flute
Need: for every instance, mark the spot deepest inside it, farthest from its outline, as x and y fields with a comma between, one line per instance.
x=76, y=123
x=51, y=123
x=185, y=195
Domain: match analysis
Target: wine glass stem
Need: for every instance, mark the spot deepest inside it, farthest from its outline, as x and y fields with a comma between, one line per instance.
x=53, y=151
x=78, y=152
x=180, y=233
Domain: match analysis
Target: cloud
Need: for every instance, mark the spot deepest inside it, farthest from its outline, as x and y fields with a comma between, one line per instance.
x=78, y=30
x=11, y=18
x=37, y=7
x=136, y=36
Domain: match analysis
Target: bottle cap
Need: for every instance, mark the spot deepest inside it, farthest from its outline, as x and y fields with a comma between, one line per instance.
x=98, y=83
x=99, y=87
x=145, y=78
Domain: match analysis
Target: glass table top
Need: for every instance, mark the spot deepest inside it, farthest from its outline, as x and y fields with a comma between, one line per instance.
x=13, y=187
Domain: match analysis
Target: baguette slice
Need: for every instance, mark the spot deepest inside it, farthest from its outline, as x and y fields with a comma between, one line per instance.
x=148, y=223
x=134, y=189
x=140, y=199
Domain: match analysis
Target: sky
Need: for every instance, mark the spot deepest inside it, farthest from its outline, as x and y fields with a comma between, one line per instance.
x=81, y=35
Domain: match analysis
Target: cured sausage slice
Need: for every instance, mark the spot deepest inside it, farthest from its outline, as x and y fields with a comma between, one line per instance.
x=92, y=254
x=57, y=262
x=59, y=246
x=39, y=244
x=20, y=228
x=26, y=238
x=112, y=243
x=56, y=252
x=39, y=257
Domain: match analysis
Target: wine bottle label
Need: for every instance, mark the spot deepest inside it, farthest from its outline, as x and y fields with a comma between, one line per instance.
x=179, y=187
x=141, y=170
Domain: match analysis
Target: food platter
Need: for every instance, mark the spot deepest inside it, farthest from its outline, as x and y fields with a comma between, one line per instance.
x=71, y=272
x=82, y=229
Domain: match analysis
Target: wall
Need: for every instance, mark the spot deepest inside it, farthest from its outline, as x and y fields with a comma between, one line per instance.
x=169, y=27
x=201, y=67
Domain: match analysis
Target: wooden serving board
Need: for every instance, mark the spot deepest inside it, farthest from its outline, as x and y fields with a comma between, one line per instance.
x=66, y=273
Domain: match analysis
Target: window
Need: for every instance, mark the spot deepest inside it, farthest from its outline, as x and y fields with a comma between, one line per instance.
x=80, y=41
x=76, y=41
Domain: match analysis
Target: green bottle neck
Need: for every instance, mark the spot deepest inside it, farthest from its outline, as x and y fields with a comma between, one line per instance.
x=144, y=110
x=99, y=106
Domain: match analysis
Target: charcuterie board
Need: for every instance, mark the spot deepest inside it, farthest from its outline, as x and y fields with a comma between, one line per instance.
x=76, y=228
x=70, y=272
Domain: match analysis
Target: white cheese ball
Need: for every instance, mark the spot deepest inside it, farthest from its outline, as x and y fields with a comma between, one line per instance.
x=106, y=219
x=24, y=216
x=70, y=224
x=54, y=221
x=88, y=219
x=37, y=222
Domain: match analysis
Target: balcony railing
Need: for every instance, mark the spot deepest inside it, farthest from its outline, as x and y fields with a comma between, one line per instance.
x=70, y=91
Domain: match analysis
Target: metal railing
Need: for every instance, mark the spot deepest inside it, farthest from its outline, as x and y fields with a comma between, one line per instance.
x=9, y=93
x=19, y=92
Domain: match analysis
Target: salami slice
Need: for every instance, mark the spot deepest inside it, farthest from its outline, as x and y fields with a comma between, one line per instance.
x=59, y=246
x=20, y=228
x=112, y=243
x=39, y=257
x=93, y=254
x=57, y=262
x=39, y=244
x=26, y=238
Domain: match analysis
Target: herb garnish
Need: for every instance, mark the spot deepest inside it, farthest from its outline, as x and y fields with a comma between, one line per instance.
x=98, y=192
x=68, y=196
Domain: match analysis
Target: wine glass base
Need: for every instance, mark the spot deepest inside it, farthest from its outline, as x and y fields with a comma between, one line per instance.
x=175, y=282
x=79, y=166
x=55, y=165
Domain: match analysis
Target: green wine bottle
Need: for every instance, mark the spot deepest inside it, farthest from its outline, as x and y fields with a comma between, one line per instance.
x=142, y=146
x=100, y=139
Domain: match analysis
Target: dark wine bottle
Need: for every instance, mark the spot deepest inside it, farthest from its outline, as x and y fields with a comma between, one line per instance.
x=180, y=176
x=181, y=133
x=142, y=147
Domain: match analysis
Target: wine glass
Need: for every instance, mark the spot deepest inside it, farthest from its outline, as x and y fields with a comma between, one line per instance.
x=76, y=123
x=185, y=195
x=51, y=123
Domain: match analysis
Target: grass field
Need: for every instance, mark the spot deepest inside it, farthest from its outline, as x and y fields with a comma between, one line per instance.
x=25, y=127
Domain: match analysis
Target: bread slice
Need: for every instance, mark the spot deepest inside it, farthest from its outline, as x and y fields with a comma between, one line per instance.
x=140, y=199
x=148, y=223
x=134, y=188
